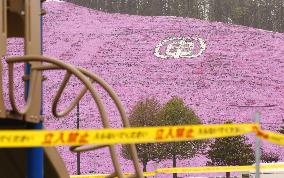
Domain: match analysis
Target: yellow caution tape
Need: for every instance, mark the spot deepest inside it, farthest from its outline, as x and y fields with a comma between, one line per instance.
x=104, y=175
x=39, y=138
x=89, y=176
x=276, y=138
x=217, y=169
x=206, y=169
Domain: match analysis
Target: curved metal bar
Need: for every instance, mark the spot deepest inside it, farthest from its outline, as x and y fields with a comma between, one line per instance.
x=60, y=91
x=114, y=97
x=70, y=69
x=94, y=78
x=47, y=67
x=87, y=84
x=111, y=93
x=12, y=94
x=11, y=88
x=108, y=89
x=71, y=106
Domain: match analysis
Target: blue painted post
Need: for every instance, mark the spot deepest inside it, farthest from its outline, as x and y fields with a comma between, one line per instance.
x=78, y=154
x=35, y=156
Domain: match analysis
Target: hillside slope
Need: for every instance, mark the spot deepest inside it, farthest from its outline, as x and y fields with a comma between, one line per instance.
x=240, y=66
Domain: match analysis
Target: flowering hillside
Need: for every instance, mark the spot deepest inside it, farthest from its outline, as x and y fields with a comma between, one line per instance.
x=239, y=66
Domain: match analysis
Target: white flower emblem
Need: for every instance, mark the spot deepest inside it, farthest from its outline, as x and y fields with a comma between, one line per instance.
x=180, y=47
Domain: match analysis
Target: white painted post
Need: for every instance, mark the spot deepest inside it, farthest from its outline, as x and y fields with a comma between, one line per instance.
x=257, y=149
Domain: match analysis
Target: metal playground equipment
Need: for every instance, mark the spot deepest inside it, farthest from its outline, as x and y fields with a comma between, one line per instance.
x=22, y=19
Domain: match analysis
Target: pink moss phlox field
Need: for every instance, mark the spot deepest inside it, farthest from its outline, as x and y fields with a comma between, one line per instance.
x=240, y=66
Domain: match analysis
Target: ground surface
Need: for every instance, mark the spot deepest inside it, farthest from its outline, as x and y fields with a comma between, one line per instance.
x=240, y=66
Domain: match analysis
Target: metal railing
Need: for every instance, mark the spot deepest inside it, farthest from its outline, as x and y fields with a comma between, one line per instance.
x=87, y=78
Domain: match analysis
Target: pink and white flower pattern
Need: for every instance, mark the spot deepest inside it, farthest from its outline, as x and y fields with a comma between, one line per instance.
x=239, y=66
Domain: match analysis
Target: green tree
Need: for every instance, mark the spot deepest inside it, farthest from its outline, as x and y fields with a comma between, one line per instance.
x=269, y=157
x=144, y=113
x=174, y=112
x=230, y=151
